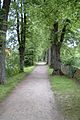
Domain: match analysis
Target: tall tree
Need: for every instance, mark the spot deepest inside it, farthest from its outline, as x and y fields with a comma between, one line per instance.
x=3, y=29
x=56, y=46
x=21, y=26
x=59, y=30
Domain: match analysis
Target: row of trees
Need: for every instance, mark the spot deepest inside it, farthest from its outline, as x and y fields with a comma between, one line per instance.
x=38, y=29
x=16, y=26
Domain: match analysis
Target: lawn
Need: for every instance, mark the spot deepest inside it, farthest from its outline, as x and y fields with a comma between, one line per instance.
x=12, y=82
x=67, y=95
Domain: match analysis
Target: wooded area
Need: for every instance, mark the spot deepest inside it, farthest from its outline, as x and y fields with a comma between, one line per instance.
x=38, y=30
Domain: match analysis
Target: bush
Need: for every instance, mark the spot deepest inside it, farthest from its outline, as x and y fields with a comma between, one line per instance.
x=12, y=64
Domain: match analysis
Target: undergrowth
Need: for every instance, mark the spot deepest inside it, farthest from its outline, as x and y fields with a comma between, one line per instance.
x=12, y=82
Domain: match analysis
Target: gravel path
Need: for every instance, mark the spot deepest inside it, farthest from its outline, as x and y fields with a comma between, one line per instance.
x=31, y=100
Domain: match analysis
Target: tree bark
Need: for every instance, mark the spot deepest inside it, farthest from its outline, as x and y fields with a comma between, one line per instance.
x=21, y=36
x=21, y=42
x=21, y=46
x=56, y=60
x=21, y=55
x=55, y=48
x=3, y=29
x=51, y=62
x=49, y=56
x=55, y=52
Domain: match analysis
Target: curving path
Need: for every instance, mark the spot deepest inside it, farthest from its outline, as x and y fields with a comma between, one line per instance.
x=31, y=100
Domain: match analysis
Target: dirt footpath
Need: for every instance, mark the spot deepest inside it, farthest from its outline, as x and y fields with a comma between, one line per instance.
x=31, y=100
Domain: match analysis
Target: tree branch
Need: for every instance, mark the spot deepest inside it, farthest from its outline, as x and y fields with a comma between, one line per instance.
x=64, y=30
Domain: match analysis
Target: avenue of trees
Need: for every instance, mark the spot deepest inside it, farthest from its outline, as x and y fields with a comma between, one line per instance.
x=38, y=30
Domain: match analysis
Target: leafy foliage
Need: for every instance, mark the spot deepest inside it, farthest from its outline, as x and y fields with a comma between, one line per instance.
x=70, y=55
x=12, y=64
x=40, y=17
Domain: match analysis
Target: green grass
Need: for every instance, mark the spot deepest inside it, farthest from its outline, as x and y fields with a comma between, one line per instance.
x=12, y=82
x=67, y=95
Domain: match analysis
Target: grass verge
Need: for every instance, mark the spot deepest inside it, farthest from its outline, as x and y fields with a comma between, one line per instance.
x=12, y=82
x=67, y=95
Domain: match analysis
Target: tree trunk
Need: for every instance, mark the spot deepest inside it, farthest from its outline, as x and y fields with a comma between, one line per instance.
x=49, y=57
x=2, y=57
x=21, y=43
x=51, y=60
x=24, y=28
x=3, y=29
x=55, y=52
x=56, y=46
x=56, y=60
x=21, y=36
x=21, y=55
x=22, y=47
